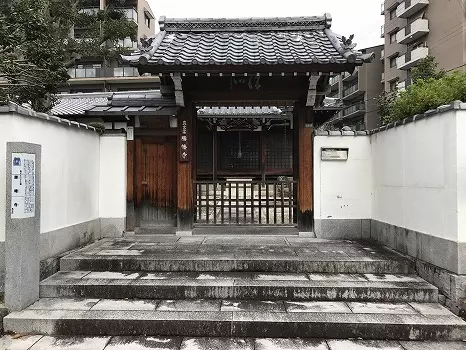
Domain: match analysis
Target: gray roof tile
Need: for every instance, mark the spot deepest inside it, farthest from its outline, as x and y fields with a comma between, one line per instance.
x=78, y=104
x=287, y=41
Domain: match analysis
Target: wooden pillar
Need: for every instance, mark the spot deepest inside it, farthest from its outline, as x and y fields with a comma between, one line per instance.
x=186, y=152
x=130, y=184
x=306, y=169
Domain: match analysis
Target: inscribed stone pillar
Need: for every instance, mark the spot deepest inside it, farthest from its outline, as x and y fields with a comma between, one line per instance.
x=22, y=231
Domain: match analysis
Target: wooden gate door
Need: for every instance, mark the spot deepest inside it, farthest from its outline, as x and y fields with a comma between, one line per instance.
x=156, y=181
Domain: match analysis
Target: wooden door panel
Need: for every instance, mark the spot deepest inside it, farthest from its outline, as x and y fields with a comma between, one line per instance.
x=155, y=185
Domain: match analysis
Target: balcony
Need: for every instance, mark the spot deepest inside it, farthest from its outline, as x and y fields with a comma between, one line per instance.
x=382, y=31
x=413, y=31
x=401, y=86
x=90, y=10
x=348, y=77
x=128, y=43
x=333, y=82
x=109, y=72
x=390, y=4
x=130, y=13
x=409, y=7
x=410, y=59
x=352, y=92
x=354, y=110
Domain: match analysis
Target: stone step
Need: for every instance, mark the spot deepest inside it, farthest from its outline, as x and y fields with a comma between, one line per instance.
x=249, y=319
x=244, y=286
x=39, y=342
x=197, y=262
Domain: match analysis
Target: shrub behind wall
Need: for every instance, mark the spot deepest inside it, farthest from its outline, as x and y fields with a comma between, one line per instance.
x=424, y=95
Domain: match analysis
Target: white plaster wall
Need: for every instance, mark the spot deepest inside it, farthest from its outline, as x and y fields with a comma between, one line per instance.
x=415, y=176
x=112, y=176
x=70, y=170
x=461, y=161
x=343, y=189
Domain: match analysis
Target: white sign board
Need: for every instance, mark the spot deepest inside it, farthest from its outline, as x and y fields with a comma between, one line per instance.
x=334, y=154
x=23, y=185
x=130, y=133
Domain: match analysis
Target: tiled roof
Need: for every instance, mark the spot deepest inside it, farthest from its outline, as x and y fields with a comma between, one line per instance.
x=78, y=104
x=254, y=41
x=116, y=102
x=238, y=111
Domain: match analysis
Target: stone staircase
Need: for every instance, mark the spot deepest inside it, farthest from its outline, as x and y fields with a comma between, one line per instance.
x=247, y=287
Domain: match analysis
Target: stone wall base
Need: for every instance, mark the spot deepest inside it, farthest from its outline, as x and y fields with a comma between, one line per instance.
x=439, y=261
x=113, y=227
x=342, y=228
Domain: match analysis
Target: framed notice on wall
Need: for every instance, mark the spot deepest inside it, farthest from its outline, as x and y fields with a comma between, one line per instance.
x=23, y=185
x=334, y=154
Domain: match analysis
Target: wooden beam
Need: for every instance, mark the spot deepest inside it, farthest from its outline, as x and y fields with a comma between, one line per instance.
x=179, y=96
x=130, y=184
x=306, y=170
x=312, y=91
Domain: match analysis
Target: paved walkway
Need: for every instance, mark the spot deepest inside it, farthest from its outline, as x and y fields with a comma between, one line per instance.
x=38, y=342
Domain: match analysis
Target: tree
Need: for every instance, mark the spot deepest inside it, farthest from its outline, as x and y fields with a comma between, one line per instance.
x=385, y=102
x=89, y=32
x=39, y=39
x=428, y=94
x=427, y=69
x=31, y=61
x=390, y=109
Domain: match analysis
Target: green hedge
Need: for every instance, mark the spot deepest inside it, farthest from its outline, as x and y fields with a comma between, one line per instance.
x=424, y=95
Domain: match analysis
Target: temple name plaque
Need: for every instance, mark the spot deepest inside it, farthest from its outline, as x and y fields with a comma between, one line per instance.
x=334, y=154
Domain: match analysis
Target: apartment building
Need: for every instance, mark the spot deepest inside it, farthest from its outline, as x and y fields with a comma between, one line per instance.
x=414, y=29
x=94, y=75
x=358, y=92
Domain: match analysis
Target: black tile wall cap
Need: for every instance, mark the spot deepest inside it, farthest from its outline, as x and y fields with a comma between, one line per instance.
x=15, y=108
x=245, y=42
x=340, y=133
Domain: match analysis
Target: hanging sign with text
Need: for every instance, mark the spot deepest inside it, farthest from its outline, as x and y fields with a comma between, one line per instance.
x=185, y=134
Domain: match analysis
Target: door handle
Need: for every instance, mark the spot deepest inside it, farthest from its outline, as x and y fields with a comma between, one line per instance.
x=144, y=183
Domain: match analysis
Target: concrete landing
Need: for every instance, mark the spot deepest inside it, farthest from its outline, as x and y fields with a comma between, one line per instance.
x=38, y=342
x=229, y=253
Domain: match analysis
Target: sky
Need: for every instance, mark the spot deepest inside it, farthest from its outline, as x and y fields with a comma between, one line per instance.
x=359, y=17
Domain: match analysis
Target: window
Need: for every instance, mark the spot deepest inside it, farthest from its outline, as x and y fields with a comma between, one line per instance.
x=393, y=85
x=392, y=38
x=392, y=62
x=147, y=20
x=393, y=13
x=239, y=150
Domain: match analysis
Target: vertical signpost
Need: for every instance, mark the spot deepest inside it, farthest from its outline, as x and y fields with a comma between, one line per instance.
x=185, y=155
x=22, y=225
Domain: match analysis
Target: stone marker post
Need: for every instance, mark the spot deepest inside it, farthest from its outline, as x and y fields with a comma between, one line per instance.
x=22, y=225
